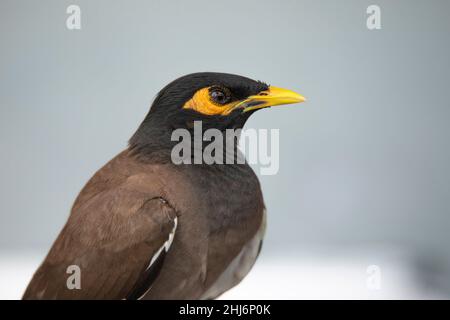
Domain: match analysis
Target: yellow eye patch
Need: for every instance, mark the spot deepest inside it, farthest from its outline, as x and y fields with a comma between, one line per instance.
x=203, y=103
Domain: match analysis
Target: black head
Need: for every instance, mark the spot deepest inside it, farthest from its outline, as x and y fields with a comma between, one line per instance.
x=219, y=100
x=205, y=96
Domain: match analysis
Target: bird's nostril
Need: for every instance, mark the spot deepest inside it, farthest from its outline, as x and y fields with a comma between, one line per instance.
x=263, y=94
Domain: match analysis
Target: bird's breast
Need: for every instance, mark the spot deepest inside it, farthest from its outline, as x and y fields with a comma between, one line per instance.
x=220, y=210
x=233, y=207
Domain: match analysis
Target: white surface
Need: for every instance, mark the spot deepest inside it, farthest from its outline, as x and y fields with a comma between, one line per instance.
x=313, y=277
x=15, y=272
x=321, y=278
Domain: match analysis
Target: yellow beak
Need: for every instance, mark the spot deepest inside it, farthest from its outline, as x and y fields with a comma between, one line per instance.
x=274, y=96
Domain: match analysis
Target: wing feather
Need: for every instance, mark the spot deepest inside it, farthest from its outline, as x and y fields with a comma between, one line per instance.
x=118, y=238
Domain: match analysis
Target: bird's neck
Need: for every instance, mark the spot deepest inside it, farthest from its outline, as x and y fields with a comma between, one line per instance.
x=193, y=144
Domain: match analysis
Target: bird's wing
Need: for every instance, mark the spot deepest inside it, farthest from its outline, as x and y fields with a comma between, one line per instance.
x=117, y=241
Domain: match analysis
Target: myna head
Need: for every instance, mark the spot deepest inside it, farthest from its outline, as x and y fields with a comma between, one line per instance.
x=219, y=100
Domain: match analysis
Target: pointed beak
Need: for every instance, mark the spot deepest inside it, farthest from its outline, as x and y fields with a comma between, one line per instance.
x=274, y=96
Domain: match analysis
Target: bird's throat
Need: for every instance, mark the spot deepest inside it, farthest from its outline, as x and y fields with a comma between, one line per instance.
x=194, y=144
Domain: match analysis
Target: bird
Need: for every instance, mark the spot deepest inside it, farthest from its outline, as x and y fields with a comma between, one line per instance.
x=146, y=228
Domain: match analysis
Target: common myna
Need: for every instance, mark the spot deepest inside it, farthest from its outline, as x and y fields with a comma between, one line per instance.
x=145, y=227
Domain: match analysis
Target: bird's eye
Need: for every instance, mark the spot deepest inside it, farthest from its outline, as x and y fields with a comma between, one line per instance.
x=220, y=95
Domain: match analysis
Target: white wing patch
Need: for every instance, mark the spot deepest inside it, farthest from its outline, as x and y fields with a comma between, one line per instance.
x=166, y=245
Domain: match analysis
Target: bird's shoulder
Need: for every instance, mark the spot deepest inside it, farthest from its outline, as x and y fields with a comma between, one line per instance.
x=119, y=223
x=122, y=191
x=122, y=172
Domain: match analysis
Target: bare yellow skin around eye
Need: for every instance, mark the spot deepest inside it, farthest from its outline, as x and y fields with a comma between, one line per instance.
x=201, y=102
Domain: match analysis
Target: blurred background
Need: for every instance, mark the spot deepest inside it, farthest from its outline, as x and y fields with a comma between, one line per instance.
x=360, y=205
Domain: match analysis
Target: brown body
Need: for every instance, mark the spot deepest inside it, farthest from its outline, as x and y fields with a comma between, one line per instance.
x=143, y=227
x=124, y=215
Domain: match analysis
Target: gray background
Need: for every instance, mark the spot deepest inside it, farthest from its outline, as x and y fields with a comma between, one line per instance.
x=363, y=164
